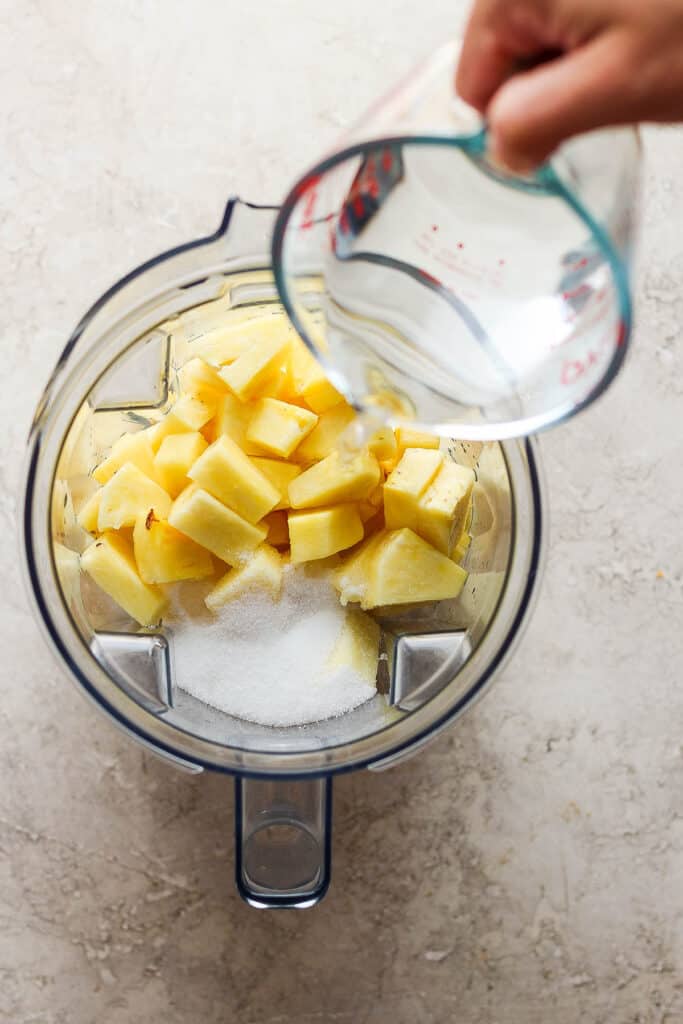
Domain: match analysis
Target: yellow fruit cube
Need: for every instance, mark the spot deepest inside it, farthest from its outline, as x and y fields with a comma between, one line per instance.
x=87, y=517
x=383, y=444
x=308, y=379
x=280, y=475
x=196, y=412
x=222, y=346
x=278, y=427
x=230, y=475
x=170, y=424
x=408, y=437
x=135, y=448
x=366, y=510
x=177, y=453
x=128, y=495
x=462, y=547
x=403, y=568
x=442, y=509
x=201, y=380
x=324, y=436
x=323, y=531
x=262, y=571
x=232, y=418
x=109, y=561
x=204, y=519
x=255, y=366
x=163, y=555
x=357, y=646
x=407, y=483
x=336, y=479
x=352, y=576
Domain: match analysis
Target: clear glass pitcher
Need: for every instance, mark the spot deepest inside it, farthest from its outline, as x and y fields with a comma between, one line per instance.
x=440, y=288
x=117, y=373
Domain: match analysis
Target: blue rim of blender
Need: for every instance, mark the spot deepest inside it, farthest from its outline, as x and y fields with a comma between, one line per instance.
x=544, y=182
x=165, y=748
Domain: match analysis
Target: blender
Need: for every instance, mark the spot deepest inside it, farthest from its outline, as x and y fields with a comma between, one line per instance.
x=116, y=374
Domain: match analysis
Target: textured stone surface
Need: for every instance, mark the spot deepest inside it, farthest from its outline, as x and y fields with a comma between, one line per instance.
x=529, y=865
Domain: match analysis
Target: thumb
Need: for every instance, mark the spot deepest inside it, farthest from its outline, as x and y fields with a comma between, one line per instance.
x=532, y=113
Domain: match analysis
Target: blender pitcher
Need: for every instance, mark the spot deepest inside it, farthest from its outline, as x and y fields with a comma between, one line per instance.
x=117, y=374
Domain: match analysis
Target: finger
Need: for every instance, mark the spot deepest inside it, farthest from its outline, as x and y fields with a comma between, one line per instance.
x=484, y=65
x=589, y=88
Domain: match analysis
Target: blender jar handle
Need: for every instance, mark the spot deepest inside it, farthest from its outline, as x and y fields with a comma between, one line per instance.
x=282, y=832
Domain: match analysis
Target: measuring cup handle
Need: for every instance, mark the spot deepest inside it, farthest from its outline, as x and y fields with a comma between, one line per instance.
x=283, y=831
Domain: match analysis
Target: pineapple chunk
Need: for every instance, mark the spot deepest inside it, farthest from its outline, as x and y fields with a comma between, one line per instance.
x=308, y=380
x=335, y=479
x=280, y=475
x=176, y=455
x=324, y=436
x=87, y=517
x=462, y=547
x=263, y=571
x=402, y=568
x=164, y=555
x=366, y=510
x=383, y=445
x=408, y=437
x=195, y=412
x=110, y=563
x=199, y=379
x=407, y=483
x=222, y=346
x=128, y=495
x=135, y=448
x=351, y=578
x=250, y=371
x=442, y=509
x=230, y=475
x=232, y=418
x=207, y=521
x=323, y=531
x=358, y=646
x=278, y=529
x=278, y=427
x=164, y=428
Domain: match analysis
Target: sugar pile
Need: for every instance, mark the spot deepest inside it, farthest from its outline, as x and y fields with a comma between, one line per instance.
x=267, y=660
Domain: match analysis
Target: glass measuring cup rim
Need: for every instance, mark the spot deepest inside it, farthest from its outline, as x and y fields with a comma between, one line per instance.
x=547, y=181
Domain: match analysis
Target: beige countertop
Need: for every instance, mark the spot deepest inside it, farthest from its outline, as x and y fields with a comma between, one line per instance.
x=528, y=866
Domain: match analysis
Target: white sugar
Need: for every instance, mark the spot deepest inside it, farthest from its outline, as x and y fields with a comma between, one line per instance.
x=266, y=660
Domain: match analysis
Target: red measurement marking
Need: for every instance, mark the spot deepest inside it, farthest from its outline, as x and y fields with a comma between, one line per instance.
x=344, y=222
x=373, y=188
x=621, y=334
x=358, y=206
x=435, y=227
x=501, y=263
x=574, y=292
x=307, y=183
x=461, y=245
x=430, y=278
x=387, y=160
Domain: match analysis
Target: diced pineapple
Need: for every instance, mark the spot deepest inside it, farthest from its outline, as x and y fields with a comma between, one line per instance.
x=255, y=366
x=109, y=561
x=196, y=412
x=128, y=495
x=204, y=519
x=163, y=555
x=199, y=379
x=324, y=436
x=357, y=646
x=68, y=566
x=351, y=578
x=175, y=457
x=407, y=483
x=222, y=346
x=323, y=531
x=376, y=497
x=383, y=444
x=335, y=479
x=308, y=380
x=280, y=475
x=402, y=568
x=442, y=509
x=232, y=418
x=278, y=529
x=230, y=475
x=135, y=448
x=263, y=571
x=408, y=437
x=278, y=427
x=87, y=517
x=164, y=428
x=366, y=510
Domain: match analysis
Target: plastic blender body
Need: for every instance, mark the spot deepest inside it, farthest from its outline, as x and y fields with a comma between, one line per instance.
x=116, y=374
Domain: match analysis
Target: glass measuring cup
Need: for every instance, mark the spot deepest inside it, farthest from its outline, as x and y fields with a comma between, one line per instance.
x=117, y=374
x=480, y=304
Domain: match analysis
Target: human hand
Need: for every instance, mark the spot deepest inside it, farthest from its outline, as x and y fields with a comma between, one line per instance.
x=602, y=62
